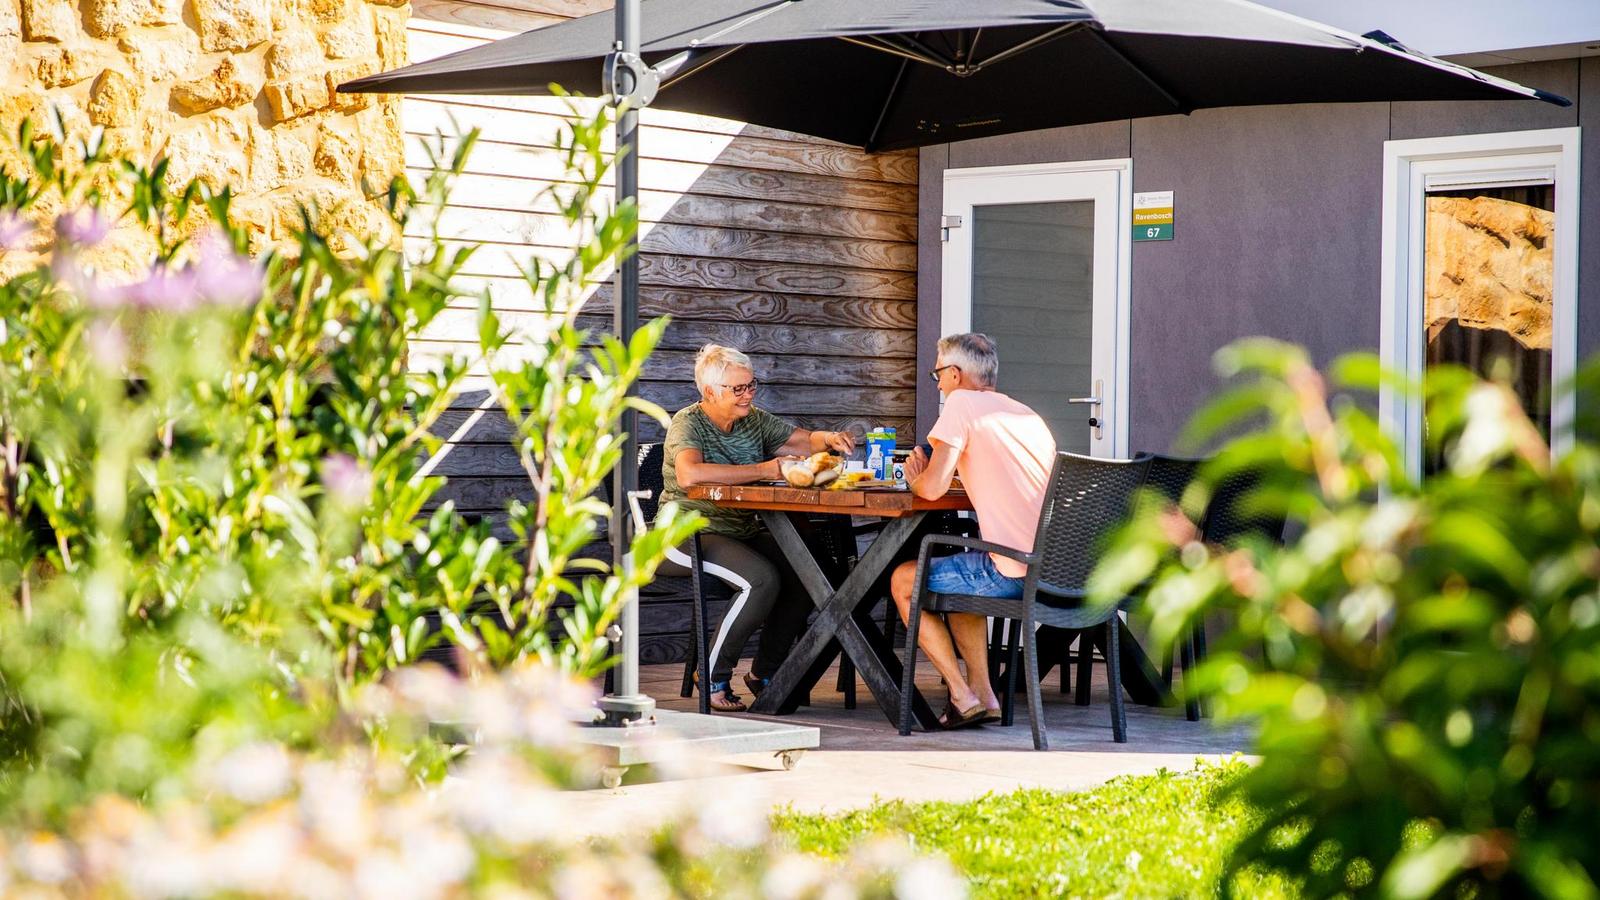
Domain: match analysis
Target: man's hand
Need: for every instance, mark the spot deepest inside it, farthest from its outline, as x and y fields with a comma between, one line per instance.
x=841, y=442
x=915, y=464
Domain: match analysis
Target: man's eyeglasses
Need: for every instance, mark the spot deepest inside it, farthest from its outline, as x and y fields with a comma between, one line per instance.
x=748, y=389
x=935, y=373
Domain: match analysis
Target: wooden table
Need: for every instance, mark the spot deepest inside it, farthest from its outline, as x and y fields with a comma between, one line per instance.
x=837, y=618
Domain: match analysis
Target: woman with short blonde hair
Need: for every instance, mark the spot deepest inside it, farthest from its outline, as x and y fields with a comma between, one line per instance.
x=725, y=438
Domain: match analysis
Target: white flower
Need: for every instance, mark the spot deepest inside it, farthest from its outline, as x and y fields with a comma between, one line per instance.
x=794, y=876
x=933, y=879
x=254, y=773
x=44, y=858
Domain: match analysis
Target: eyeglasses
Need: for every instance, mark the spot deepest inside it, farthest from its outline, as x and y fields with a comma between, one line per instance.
x=935, y=373
x=748, y=389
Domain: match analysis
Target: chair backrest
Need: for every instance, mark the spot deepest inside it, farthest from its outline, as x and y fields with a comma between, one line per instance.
x=1086, y=500
x=650, y=480
x=1169, y=476
x=1229, y=516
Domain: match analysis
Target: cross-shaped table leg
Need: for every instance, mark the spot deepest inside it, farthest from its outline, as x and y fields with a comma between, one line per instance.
x=835, y=619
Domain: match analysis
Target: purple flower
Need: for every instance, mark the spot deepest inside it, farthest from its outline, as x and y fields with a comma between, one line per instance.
x=83, y=227
x=14, y=232
x=224, y=277
x=345, y=479
x=163, y=289
x=82, y=284
x=107, y=345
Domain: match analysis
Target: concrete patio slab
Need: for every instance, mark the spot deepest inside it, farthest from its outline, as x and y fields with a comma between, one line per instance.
x=863, y=761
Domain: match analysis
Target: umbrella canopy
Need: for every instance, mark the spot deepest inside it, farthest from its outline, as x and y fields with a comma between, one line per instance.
x=902, y=73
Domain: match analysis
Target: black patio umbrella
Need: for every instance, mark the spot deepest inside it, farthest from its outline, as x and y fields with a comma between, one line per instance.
x=890, y=74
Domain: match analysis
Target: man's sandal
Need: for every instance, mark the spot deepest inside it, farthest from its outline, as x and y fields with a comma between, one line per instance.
x=953, y=718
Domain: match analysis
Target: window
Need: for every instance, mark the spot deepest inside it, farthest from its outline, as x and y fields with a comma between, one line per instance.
x=1480, y=271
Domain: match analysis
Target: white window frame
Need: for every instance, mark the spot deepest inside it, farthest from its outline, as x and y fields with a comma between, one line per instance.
x=1045, y=182
x=1410, y=168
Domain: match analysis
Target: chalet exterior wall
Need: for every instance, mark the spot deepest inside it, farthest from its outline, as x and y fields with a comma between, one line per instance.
x=800, y=252
x=1279, y=213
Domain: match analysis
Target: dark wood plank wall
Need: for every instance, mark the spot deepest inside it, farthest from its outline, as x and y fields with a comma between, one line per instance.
x=800, y=252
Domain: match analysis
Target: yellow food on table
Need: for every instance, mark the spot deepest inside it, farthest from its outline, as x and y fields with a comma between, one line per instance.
x=850, y=480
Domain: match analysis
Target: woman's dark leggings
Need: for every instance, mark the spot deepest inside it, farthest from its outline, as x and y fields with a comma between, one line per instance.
x=767, y=595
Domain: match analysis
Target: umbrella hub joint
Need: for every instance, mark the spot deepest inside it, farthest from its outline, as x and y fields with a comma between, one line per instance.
x=964, y=70
x=630, y=80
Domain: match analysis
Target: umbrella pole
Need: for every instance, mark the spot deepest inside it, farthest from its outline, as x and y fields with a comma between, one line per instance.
x=626, y=704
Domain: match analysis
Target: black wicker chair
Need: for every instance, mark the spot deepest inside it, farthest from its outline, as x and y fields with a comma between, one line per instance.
x=1086, y=499
x=1169, y=476
x=645, y=502
x=1229, y=519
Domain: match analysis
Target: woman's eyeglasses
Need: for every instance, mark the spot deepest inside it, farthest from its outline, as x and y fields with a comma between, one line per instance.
x=748, y=389
x=935, y=373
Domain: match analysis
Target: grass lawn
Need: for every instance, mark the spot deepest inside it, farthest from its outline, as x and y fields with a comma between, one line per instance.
x=1162, y=835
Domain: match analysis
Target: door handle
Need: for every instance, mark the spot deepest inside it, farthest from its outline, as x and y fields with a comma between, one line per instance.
x=1095, y=421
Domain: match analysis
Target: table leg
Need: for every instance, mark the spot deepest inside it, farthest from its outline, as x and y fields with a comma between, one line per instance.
x=836, y=620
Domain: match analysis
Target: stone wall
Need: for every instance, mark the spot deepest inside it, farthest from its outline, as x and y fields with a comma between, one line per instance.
x=233, y=92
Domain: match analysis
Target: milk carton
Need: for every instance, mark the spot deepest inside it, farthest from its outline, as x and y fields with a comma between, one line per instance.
x=880, y=453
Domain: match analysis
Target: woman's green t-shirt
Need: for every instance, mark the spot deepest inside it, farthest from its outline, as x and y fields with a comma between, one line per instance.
x=754, y=438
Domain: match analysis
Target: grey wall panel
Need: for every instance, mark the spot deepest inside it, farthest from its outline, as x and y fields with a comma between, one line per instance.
x=931, y=163
x=1415, y=119
x=1107, y=140
x=1277, y=218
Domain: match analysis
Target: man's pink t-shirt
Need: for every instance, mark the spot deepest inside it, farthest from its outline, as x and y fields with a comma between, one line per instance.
x=1005, y=454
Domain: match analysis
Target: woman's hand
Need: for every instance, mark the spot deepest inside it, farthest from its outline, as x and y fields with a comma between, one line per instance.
x=773, y=468
x=841, y=442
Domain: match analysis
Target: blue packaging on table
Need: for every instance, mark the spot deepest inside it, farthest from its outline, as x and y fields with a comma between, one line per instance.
x=880, y=453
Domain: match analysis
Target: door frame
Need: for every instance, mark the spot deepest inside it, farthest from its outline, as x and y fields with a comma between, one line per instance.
x=1059, y=181
x=1409, y=166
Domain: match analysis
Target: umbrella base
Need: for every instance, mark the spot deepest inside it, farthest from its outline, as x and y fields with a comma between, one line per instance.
x=619, y=711
x=669, y=734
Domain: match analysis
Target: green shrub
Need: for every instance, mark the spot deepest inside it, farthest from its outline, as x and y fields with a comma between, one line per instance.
x=215, y=573
x=1423, y=662
x=212, y=469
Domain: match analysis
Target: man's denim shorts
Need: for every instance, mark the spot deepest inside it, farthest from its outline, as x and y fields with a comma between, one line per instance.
x=971, y=573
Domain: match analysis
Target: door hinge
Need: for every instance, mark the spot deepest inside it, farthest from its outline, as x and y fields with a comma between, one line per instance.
x=945, y=224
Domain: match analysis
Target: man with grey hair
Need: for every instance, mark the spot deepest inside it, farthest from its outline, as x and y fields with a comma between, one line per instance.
x=1002, y=451
x=726, y=439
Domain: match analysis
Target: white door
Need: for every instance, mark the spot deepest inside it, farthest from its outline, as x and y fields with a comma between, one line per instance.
x=1036, y=257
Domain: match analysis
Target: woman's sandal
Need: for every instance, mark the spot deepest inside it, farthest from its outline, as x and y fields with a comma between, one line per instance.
x=953, y=718
x=722, y=698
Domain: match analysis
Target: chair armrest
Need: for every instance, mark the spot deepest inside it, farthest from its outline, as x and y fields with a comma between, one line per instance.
x=639, y=524
x=972, y=543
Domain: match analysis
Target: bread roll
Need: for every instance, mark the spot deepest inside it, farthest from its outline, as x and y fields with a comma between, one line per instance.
x=799, y=476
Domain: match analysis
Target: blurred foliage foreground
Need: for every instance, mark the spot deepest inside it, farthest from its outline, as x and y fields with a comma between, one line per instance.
x=221, y=554
x=1422, y=660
